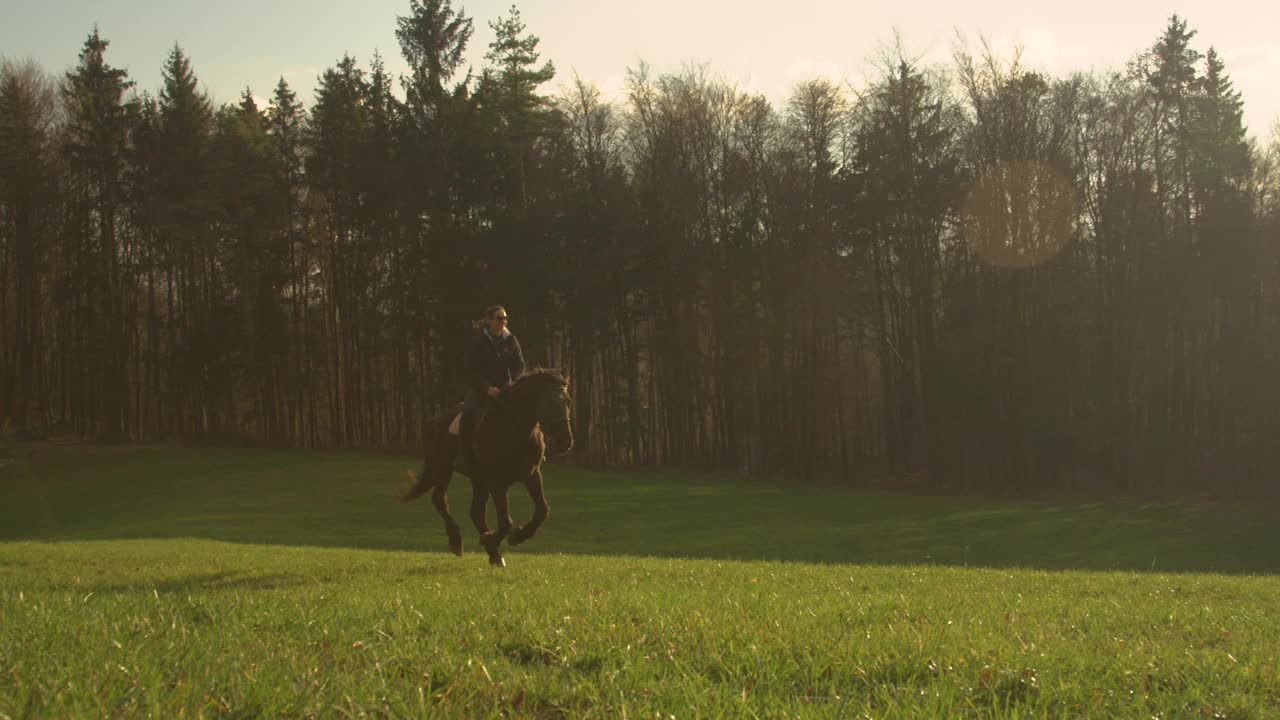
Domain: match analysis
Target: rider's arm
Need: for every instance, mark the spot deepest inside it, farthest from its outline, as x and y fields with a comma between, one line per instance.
x=517, y=359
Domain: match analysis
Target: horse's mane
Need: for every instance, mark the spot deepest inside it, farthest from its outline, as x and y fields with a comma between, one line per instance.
x=548, y=375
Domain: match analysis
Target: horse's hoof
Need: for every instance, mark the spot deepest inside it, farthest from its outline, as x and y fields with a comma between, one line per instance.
x=456, y=548
x=497, y=561
x=517, y=536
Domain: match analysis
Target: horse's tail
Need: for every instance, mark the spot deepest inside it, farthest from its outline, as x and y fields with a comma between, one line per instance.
x=419, y=484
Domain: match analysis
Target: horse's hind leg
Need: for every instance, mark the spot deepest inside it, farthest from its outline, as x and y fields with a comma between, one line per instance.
x=440, y=499
x=479, y=507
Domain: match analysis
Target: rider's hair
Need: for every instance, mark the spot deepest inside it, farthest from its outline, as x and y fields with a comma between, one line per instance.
x=477, y=324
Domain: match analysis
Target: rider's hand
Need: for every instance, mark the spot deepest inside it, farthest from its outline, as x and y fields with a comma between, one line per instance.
x=493, y=392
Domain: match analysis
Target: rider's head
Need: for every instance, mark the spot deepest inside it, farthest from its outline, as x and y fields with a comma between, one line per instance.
x=497, y=319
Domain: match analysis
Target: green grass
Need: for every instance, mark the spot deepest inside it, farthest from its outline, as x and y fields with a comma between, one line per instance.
x=232, y=583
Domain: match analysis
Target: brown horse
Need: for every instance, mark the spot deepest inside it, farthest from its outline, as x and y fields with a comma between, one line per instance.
x=509, y=448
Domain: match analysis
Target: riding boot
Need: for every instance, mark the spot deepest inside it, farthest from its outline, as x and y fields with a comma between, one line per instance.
x=465, y=444
x=472, y=415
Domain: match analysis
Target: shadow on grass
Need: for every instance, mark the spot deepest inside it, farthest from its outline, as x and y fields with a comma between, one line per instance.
x=348, y=500
x=202, y=582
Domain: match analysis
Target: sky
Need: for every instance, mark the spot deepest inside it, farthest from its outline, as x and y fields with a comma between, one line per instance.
x=766, y=48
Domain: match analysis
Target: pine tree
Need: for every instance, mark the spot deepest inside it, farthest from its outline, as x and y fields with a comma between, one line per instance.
x=155, y=274
x=186, y=210
x=286, y=120
x=1229, y=252
x=346, y=256
x=433, y=38
x=286, y=127
x=98, y=122
x=254, y=246
x=1171, y=74
x=29, y=190
x=904, y=173
x=815, y=122
x=1218, y=136
x=515, y=56
x=513, y=90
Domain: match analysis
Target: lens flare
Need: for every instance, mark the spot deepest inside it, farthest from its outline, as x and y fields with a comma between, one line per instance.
x=1019, y=214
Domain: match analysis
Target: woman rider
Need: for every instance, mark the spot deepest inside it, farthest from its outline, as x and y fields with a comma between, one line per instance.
x=494, y=361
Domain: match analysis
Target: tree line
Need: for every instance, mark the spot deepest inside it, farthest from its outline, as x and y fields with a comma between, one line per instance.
x=975, y=274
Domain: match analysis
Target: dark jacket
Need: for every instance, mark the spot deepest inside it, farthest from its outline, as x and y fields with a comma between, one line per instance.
x=493, y=361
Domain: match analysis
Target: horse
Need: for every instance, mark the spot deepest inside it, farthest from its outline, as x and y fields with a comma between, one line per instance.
x=529, y=417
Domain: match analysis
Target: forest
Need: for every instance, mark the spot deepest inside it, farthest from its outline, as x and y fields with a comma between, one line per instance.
x=971, y=275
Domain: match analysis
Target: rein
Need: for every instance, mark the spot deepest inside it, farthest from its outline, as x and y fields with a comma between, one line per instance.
x=504, y=406
x=503, y=403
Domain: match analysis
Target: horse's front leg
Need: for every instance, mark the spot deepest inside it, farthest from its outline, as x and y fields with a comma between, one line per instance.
x=540, y=509
x=494, y=539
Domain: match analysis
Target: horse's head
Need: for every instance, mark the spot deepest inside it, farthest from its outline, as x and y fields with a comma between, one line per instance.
x=549, y=391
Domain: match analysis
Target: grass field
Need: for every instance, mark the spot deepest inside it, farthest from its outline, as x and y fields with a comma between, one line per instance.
x=236, y=583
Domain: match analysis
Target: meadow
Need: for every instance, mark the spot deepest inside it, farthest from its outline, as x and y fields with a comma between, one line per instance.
x=233, y=583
